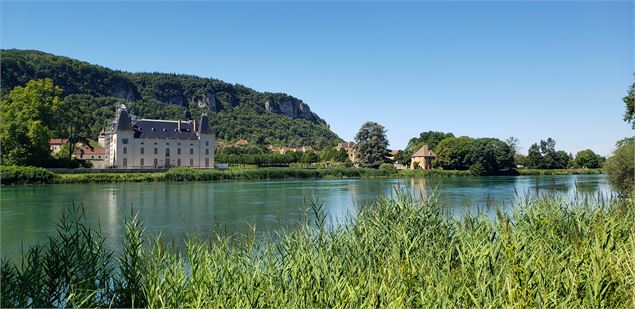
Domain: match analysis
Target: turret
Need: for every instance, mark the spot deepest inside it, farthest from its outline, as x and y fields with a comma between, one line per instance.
x=204, y=126
x=123, y=121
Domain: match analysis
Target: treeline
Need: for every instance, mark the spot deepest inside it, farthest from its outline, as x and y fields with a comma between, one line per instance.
x=235, y=111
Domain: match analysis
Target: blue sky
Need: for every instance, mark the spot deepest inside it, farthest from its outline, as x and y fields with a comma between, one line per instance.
x=485, y=69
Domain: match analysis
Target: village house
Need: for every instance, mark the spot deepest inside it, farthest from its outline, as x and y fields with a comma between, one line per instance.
x=283, y=150
x=151, y=143
x=56, y=144
x=350, y=150
x=96, y=156
x=422, y=159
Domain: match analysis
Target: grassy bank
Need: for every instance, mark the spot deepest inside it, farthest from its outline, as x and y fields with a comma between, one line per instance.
x=10, y=175
x=572, y=171
x=399, y=252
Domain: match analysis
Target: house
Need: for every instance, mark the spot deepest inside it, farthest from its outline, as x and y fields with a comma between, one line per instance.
x=152, y=143
x=392, y=154
x=56, y=144
x=422, y=159
x=350, y=150
x=96, y=156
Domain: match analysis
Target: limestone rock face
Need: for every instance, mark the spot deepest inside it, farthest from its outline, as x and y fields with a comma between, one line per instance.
x=208, y=100
x=126, y=92
x=291, y=107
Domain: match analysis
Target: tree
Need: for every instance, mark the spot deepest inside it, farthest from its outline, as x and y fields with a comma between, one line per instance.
x=342, y=155
x=310, y=157
x=28, y=117
x=545, y=156
x=620, y=168
x=430, y=138
x=75, y=121
x=452, y=153
x=588, y=159
x=513, y=142
x=629, y=101
x=372, y=144
x=492, y=155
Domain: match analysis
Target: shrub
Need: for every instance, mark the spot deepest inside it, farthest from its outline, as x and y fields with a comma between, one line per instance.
x=621, y=170
x=477, y=169
x=388, y=168
x=13, y=175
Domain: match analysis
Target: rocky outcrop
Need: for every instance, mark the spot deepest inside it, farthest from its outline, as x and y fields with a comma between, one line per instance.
x=209, y=101
x=291, y=107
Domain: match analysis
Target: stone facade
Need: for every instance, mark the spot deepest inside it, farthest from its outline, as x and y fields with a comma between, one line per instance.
x=422, y=159
x=150, y=143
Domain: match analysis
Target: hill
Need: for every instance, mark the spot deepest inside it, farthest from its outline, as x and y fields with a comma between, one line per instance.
x=235, y=111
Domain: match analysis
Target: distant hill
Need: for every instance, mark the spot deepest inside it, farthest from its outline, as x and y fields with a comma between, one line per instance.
x=235, y=110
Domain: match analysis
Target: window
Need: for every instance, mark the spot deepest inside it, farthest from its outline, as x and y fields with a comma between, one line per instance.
x=156, y=150
x=178, y=162
x=141, y=161
x=167, y=152
x=206, y=143
x=125, y=162
x=124, y=141
x=191, y=151
x=125, y=150
x=206, y=162
x=142, y=151
x=191, y=162
x=206, y=151
x=178, y=151
x=156, y=162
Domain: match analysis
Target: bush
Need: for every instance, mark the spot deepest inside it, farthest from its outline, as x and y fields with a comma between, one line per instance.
x=477, y=169
x=14, y=175
x=621, y=170
x=388, y=168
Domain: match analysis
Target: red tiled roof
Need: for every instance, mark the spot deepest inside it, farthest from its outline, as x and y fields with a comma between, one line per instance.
x=98, y=151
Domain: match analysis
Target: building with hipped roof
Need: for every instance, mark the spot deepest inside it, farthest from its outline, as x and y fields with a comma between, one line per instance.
x=422, y=159
x=150, y=143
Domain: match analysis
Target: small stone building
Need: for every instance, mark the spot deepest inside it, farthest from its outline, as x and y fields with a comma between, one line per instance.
x=422, y=159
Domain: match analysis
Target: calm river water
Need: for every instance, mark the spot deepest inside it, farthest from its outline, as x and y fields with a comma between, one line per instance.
x=28, y=214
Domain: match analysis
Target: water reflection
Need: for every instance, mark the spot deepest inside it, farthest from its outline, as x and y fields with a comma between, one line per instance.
x=29, y=213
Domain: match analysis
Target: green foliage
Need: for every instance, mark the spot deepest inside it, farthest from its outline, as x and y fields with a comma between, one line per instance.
x=236, y=111
x=310, y=157
x=371, y=145
x=568, y=171
x=388, y=167
x=477, y=169
x=29, y=115
x=483, y=156
x=545, y=156
x=15, y=175
x=588, y=159
x=342, y=156
x=629, y=102
x=620, y=168
x=430, y=138
x=398, y=252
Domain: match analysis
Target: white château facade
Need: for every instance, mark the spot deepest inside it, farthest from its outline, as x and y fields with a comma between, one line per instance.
x=150, y=143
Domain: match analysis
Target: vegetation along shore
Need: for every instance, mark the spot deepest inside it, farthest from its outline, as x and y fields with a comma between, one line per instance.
x=398, y=252
x=16, y=175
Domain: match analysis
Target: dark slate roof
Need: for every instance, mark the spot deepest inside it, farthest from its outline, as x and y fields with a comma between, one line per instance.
x=204, y=127
x=123, y=121
x=163, y=129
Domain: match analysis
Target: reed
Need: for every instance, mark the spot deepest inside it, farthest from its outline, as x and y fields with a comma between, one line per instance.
x=399, y=251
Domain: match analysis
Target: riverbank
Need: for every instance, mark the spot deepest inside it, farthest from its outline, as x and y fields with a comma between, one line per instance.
x=12, y=175
x=398, y=252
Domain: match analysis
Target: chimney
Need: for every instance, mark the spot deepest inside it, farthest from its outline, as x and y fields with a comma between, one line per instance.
x=193, y=125
x=178, y=126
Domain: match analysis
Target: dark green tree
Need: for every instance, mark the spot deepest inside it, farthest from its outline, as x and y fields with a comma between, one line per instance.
x=342, y=155
x=310, y=157
x=430, y=138
x=453, y=153
x=620, y=168
x=371, y=145
x=28, y=117
x=74, y=118
x=588, y=159
x=629, y=101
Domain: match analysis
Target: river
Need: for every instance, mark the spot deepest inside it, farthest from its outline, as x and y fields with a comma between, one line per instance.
x=28, y=214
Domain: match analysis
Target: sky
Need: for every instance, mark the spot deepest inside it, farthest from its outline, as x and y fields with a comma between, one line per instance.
x=531, y=70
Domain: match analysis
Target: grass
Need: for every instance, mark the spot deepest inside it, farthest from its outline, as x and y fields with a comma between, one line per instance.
x=573, y=171
x=398, y=252
x=31, y=175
